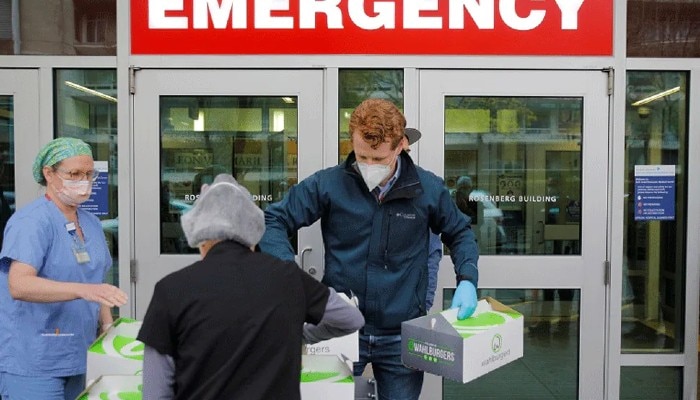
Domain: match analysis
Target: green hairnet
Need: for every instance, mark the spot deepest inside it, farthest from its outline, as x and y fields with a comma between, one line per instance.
x=56, y=151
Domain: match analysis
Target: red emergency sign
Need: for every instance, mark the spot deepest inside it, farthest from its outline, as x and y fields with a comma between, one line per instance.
x=401, y=27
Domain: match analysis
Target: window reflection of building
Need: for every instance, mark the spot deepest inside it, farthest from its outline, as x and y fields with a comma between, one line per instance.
x=466, y=204
x=496, y=142
x=252, y=138
x=57, y=27
x=6, y=188
x=663, y=28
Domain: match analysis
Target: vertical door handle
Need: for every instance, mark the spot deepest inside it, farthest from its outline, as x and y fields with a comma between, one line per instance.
x=541, y=223
x=301, y=257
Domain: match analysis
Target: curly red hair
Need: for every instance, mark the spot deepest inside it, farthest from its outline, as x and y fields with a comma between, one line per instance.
x=377, y=121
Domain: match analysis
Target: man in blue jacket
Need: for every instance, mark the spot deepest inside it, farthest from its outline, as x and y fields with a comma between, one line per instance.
x=376, y=210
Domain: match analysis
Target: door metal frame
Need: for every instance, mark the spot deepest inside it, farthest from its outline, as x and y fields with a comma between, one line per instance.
x=23, y=86
x=306, y=84
x=503, y=271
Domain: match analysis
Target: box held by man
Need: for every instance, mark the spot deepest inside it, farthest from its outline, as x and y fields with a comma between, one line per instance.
x=463, y=350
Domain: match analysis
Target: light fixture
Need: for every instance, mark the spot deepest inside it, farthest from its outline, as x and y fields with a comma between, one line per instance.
x=288, y=100
x=198, y=124
x=656, y=96
x=90, y=91
x=277, y=120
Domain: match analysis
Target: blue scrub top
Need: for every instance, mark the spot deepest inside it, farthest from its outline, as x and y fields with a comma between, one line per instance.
x=49, y=339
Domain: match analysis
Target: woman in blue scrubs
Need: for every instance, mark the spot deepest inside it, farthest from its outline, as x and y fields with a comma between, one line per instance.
x=52, y=266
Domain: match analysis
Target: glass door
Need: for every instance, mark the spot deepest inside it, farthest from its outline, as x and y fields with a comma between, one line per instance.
x=525, y=154
x=264, y=127
x=19, y=140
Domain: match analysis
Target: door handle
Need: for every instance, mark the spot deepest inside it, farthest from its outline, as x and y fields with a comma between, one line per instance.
x=541, y=223
x=301, y=257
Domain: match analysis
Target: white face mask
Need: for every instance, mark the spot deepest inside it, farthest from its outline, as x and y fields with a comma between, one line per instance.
x=74, y=193
x=373, y=174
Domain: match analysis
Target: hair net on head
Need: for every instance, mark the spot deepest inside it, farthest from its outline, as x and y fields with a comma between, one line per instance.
x=224, y=210
x=56, y=151
x=464, y=181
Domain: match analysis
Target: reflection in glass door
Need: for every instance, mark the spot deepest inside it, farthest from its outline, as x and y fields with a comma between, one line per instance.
x=263, y=127
x=520, y=154
x=7, y=169
x=513, y=166
x=19, y=140
x=252, y=138
x=7, y=165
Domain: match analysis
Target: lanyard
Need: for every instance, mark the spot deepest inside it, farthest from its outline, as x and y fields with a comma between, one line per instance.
x=78, y=244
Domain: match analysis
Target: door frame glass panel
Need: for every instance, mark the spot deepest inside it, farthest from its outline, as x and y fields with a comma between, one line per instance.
x=305, y=86
x=585, y=271
x=23, y=87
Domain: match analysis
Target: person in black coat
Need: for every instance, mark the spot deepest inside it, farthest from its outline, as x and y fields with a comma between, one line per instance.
x=231, y=325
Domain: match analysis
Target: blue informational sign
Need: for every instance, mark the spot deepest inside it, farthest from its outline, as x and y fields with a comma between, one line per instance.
x=654, y=192
x=98, y=203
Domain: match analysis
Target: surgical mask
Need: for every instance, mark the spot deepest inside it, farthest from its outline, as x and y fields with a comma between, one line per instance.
x=374, y=174
x=74, y=193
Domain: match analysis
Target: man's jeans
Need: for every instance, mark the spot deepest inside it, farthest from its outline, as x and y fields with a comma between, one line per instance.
x=394, y=380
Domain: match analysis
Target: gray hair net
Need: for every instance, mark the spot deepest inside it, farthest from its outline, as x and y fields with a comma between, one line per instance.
x=224, y=210
x=464, y=181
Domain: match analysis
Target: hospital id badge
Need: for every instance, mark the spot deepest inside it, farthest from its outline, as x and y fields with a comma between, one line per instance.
x=81, y=254
x=79, y=250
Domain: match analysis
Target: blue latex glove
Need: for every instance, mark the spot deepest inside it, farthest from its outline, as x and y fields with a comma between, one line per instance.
x=464, y=299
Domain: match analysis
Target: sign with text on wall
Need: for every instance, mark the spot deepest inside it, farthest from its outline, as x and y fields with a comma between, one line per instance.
x=654, y=192
x=98, y=203
x=400, y=27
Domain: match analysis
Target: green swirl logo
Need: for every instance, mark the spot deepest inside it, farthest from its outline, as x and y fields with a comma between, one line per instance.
x=496, y=343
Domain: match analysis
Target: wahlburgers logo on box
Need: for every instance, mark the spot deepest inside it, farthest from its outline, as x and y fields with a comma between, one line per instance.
x=120, y=341
x=496, y=347
x=430, y=352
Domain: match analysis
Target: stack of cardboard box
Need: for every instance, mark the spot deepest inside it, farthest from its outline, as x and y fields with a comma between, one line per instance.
x=115, y=362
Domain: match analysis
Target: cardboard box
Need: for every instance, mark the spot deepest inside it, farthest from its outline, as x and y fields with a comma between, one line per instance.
x=322, y=377
x=347, y=345
x=463, y=350
x=326, y=377
x=116, y=352
x=113, y=387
